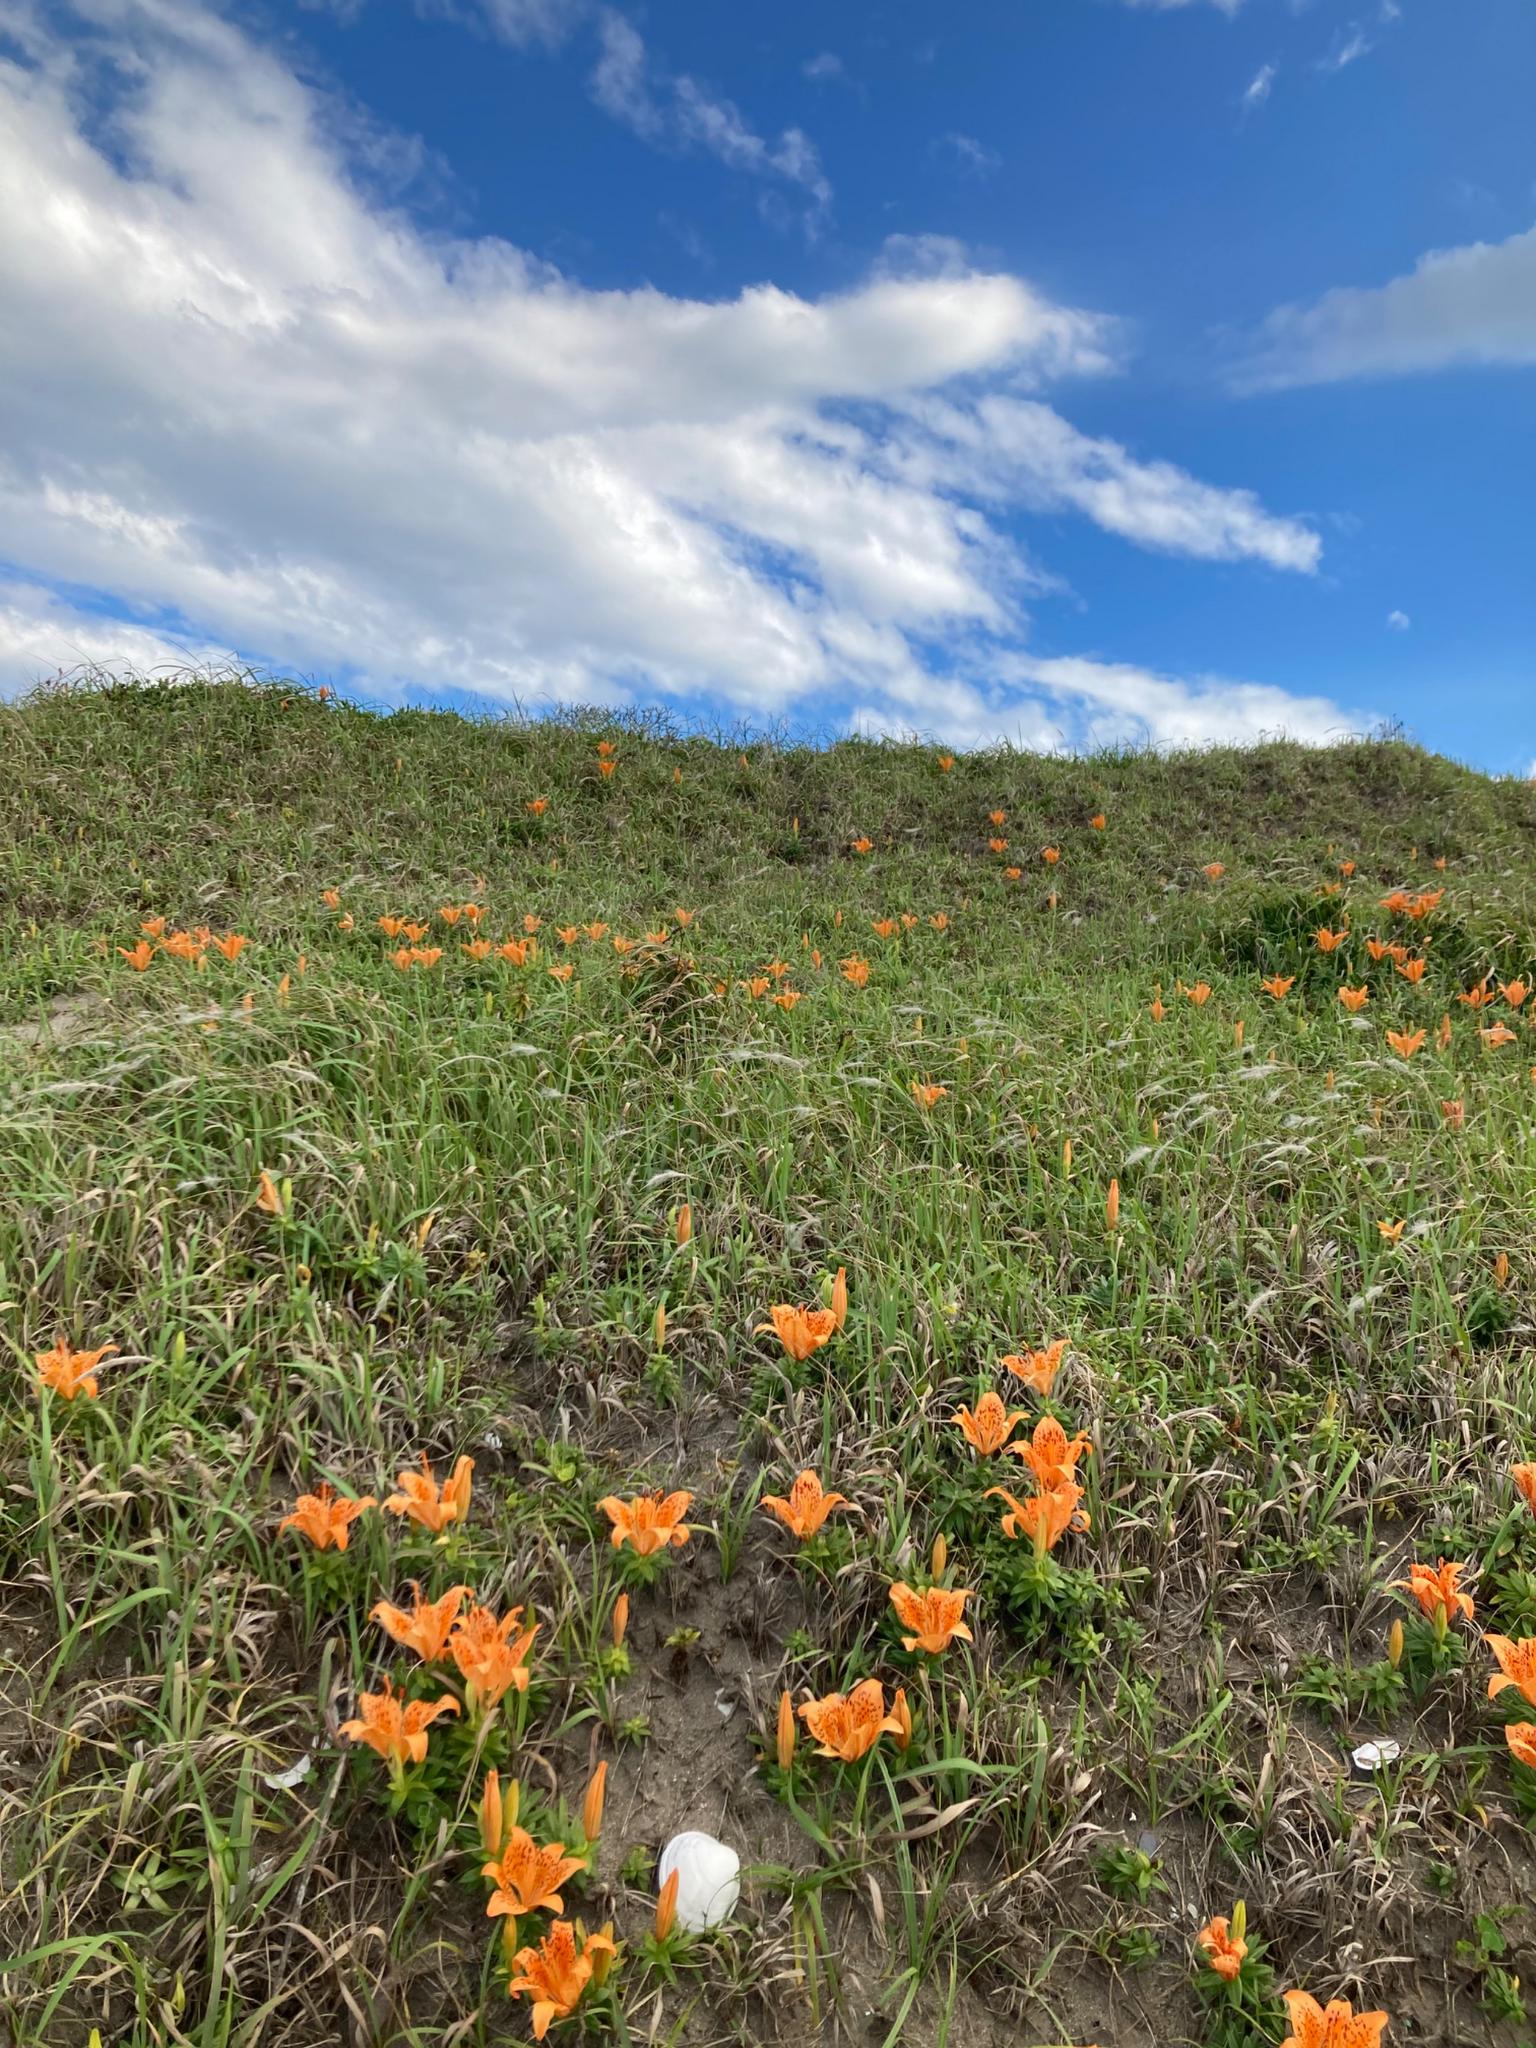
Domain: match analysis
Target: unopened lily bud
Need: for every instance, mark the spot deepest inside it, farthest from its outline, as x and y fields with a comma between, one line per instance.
x=659, y=1326
x=682, y=1229
x=620, y=1618
x=592, y=1805
x=666, y=1906
x=785, y=1743
x=1112, y=1206
x=1395, y=1644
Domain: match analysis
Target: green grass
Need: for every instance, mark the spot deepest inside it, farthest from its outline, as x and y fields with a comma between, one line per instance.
x=486, y=1166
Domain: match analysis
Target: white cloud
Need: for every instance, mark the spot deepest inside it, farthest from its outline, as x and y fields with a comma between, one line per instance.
x=972, y=156
x=516, y=21
x=245, y=396
x=1473, y=305
x=1348, y=47
x=826, y=64
x=44, y=635
x=1069, y=703
x=1399, y=622
x=1260, y=86
x=677, y=112
x=1167, y=6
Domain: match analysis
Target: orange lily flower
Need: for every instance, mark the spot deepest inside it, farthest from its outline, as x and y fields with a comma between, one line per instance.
x=998, y=845
x=1051, y=1454
x=1405, y=1043
x=606, y=768
x=1200, y=994
x=800, y=1330
x=139, y=956
x=391, y=927
x=1157, y=1010
x=1454, y=1112
x=1520, y=1739
x=1037, y=1369
x=1045, y=1517
x=492, y=1655
x=997, y=817
x=561, y=971
x=883, y=927
x=1377, y=948
x=988, y=1429
x=68, y=1373
x=946, y=762
x=936, y=1616
x=757, y=987
x=1098, y=821
x=1517, y=1666
x=1435, y=1586
x=597, y=931
x=1514, y=992
x=1330, y=941
x=450, y=913
x=538, y=805
x=856, y=969
x=426, y=956
x=153, y=927
x=1392, y=1232
x=621, y=945
x=659, y=937
x=849, y=1727
x=557, y=1972
x=807, y=1507
x=420, y=1498
x=414, y=932
x=519, y=952
x=425, y=1627
x=649, y=1522
x=567, y=934
x=1355, y=999
x=1339, y=2026
x=395, y=1727
x=1497, y=1034
x=1443, y=1032
x=1013, y=874
x=926, y=1093
x=863, y=845
x=477, y=949
x=1476, y=998
x=324, y=1518
x=1222, y=1950
x=181, y=946
x=1213, y=870
x=940, y=920
x=1346, y=867
x=1411, y=970
x=785, y=998
x=1524, y=1477
x=1279, y=986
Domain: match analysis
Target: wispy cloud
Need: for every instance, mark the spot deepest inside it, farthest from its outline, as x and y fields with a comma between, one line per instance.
x=1398, y=622
x=1348, y=47
x=973, y=157
x=1260, y=86
x=824, y=66
x=1475, y=304
x=676, y=111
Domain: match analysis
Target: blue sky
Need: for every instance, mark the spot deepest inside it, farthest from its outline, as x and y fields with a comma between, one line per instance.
x=1063, y=372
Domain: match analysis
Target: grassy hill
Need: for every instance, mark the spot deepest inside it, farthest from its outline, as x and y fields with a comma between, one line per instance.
x=341, y=1199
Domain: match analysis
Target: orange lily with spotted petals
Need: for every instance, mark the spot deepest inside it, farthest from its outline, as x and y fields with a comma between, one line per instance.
x=70, y=1373
x=1222, y=1947
x=1037, y=1369
x=1517, y=1666
x=1045, y=1517
x=1435, y=1588
x=425, y=1626
x=989, y=1427
x=650, y=1522
x=1520, y=1740
x=1524, y=1477
x=324, y=1518
x=800, y=1330
x=394, y=1727
x=527, y=1876
x=556, y=1973
x=1337, y=2025
x=1051, y=1454
x=936, y=1616
x=491, y=1654
x=806, y=1508
x=849, y=1727
x=421, y=1499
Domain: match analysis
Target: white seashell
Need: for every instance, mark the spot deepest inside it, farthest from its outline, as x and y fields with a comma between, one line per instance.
x=709, y=1879
x=1376, y=1756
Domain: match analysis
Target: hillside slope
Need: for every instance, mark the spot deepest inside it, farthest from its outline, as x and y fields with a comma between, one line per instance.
x=663, y=1034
